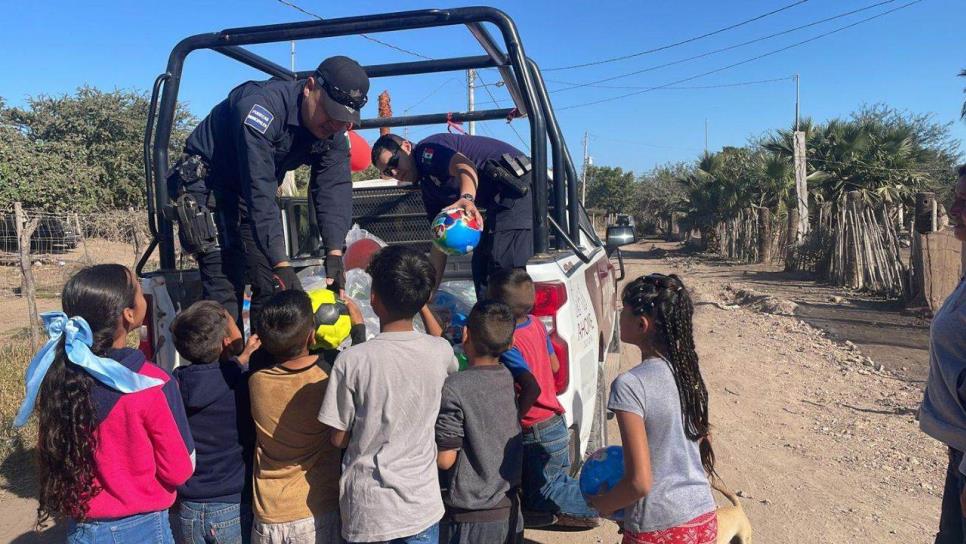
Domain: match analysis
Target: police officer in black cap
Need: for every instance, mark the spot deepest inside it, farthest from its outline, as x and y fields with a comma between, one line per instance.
x=462, y=171
x=223, y=187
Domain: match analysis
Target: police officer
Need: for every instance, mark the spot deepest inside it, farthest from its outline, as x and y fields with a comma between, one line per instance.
x=461, y=171
x=223, y=187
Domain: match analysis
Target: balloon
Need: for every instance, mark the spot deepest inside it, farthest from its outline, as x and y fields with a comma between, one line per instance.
x=605, y=466
x=359, y=151
x=360, y=253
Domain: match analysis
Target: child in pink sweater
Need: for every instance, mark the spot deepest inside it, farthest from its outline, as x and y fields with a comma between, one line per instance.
x=114, y=444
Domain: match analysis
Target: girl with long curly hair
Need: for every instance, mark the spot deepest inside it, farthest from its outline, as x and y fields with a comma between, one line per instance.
x=113, y=438
x=662, y=411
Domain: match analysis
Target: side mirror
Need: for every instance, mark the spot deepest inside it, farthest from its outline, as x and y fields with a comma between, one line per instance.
x=619, y=235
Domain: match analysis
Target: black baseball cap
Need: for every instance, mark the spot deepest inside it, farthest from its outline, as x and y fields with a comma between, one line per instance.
x=346, y=88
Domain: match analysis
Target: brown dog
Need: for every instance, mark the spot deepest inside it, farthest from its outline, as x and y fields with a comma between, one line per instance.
x=733, y=524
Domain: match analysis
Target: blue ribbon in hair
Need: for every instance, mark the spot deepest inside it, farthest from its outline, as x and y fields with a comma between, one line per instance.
x=78, y=340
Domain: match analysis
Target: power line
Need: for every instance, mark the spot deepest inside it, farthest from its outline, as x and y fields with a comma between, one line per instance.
x=431, y=93
x=739, y=63
x=366, y=36
x=723, y=49
x=697, y=87
x=682, y=42
x=678, y=87
x=486, y=88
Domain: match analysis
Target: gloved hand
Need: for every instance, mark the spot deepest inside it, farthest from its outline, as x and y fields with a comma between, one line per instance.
x=285, y=278
x=335, y=271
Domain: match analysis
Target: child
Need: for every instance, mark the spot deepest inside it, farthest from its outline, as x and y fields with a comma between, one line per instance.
x=296, y=467
x=113, y=440
x=382, y=404
x=667, y=454
x=547, y=487
x=215, y=504
x=478, y=423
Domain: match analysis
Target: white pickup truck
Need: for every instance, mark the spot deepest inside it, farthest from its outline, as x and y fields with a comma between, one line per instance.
x=575, y=278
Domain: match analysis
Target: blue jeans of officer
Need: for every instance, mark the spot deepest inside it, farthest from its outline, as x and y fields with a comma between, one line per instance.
x=547, y=485
x=150, y=528
x=214, y=522
x=951, y=520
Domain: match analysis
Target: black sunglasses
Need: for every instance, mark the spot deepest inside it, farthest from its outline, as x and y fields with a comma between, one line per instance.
x=341, y=96
x=392, y=164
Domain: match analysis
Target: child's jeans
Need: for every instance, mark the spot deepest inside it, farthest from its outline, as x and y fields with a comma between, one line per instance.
x=547, y=485
x=951, y=521
x=214, y=522
x=428, y=536
x=150, y=528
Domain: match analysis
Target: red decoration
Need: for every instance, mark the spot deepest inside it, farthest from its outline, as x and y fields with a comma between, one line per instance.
x=360, y=152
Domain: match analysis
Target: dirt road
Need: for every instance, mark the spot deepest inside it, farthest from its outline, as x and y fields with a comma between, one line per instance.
x=822, y=446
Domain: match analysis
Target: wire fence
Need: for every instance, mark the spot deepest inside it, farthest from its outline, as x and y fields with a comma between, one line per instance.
x=63, y=243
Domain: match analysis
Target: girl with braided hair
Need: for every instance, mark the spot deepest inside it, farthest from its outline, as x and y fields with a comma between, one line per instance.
x=662, y=411
x=113, y=442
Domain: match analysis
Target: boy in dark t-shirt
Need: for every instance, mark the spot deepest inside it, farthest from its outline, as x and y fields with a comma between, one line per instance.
x=478, y=422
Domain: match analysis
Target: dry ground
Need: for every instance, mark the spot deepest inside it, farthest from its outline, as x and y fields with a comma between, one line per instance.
x=823, y=446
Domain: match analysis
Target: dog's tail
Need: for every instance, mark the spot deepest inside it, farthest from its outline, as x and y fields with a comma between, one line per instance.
x=720, y=488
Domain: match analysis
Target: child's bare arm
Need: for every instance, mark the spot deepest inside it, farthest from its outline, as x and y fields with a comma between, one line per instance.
x=432, y=326
x=638, y=477
x=251, y=346
x=554, y=363
x=445, y=459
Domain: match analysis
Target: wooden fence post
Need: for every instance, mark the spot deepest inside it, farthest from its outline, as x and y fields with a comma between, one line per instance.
x=25, y=230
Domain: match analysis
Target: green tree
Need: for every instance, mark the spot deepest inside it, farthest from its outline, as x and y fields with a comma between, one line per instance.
x=611, y=189
x=90, y=141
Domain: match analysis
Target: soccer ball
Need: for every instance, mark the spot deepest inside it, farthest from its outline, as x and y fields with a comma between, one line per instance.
x=332, y=322
x=605, y=466
x=456, y=232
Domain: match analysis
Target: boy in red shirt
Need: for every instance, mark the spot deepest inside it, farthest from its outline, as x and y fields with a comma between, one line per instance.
x=547, y=486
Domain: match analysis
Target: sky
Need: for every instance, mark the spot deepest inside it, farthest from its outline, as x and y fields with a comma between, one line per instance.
x=908, y=59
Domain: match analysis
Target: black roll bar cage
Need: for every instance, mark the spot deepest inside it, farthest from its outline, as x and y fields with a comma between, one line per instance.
x=520, y=74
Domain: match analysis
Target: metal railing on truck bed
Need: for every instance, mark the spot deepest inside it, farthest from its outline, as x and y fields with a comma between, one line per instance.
x=521, y=77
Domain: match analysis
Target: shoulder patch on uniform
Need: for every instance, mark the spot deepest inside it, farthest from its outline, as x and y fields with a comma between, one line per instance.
x=259, y=118
x=428, y=154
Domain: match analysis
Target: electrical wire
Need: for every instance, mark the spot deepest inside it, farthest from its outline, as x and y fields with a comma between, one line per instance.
x=739, y=63
x=682, y=42
x=596, y=83
x=486, y=88
x=366, y=36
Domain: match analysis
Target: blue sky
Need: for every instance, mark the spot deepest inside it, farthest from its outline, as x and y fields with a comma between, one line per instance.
x=908, y=59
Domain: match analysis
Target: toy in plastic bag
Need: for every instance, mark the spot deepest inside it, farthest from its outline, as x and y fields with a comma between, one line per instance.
x=360, y=245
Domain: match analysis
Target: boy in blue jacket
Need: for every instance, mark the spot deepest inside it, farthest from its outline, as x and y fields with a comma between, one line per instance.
x=214, y=505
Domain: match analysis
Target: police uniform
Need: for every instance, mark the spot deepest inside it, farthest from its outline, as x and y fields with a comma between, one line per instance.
x=507, y=240
x=247, y=144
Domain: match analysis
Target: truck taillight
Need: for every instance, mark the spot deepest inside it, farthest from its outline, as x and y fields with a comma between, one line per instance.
x=146, y=345
x=550, y=297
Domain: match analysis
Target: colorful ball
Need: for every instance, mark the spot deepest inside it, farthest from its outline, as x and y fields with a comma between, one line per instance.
x=456, y=232
x=332, y=322
x=605, y=466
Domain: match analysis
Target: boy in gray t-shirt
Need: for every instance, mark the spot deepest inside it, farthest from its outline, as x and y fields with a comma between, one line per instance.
x=381, y=403
x=479, y=435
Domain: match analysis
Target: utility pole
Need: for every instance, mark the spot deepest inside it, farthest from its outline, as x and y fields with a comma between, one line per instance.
x=583, y=193
x=293, y=55
x=705, y=135
x=470, y=97
x=796, y=102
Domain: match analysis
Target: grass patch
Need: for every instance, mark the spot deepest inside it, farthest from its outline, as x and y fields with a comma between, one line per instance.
x=16, y=445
